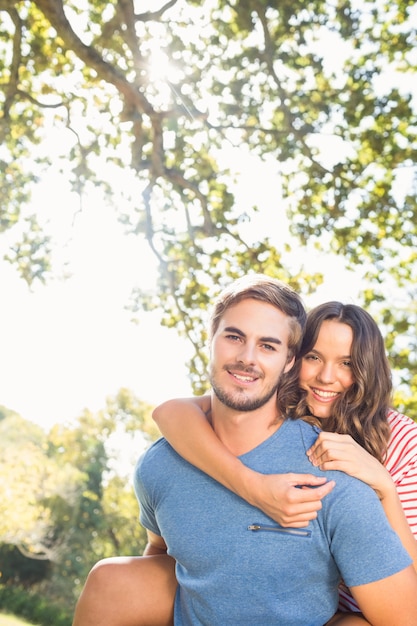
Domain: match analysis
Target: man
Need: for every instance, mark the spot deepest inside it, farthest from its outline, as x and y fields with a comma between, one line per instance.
x=233, y=564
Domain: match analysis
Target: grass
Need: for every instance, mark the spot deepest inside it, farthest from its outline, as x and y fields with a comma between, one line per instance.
x=11, y=620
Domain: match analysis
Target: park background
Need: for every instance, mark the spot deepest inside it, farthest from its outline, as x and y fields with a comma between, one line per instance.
x=150, y=152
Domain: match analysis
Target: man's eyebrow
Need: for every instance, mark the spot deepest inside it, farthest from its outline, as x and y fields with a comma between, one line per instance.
x=237, y=331
x=234, y=330
x=272, y=340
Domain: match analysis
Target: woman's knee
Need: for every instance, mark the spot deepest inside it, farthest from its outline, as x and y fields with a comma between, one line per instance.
x=108, y=573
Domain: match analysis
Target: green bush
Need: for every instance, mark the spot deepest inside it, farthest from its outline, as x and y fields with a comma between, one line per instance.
x=33, y=606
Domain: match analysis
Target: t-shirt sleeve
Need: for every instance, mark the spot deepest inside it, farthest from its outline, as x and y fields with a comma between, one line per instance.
x=146, y=508
x=364, y=546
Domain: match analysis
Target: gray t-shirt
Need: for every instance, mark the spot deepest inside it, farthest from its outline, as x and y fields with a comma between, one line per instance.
x=235, y=565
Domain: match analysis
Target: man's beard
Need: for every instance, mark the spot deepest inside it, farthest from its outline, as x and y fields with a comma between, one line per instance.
x=238, y=401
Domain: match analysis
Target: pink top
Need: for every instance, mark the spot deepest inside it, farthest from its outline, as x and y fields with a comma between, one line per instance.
x=401, y=462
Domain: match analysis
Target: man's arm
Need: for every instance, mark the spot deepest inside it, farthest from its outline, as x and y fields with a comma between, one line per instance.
x=155, y=545
x=391, y=601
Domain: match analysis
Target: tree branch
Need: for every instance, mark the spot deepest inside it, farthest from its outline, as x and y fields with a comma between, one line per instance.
x=54, y=11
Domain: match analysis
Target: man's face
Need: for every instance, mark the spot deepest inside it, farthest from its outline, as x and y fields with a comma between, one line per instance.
x=249, y=353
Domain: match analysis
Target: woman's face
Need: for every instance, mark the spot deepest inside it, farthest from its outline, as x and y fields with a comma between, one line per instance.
x=326, y=370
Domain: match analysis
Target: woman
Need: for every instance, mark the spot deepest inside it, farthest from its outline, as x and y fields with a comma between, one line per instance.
x=345, y=385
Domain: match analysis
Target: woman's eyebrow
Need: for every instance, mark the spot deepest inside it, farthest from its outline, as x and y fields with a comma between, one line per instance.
x=314, y=351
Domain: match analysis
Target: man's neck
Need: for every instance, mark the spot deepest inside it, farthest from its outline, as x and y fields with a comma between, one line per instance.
x=242, y=431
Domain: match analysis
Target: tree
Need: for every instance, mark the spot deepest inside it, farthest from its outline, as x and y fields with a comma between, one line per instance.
x=66, y=500
x=101, y=519
x=253, y=77
x=30, y=479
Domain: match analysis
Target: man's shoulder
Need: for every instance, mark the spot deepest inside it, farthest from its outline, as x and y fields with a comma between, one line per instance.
x=154, y=451
x=156, y=446
x=301, y=428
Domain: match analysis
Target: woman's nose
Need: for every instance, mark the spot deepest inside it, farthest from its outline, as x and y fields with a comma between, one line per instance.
x=326, y=373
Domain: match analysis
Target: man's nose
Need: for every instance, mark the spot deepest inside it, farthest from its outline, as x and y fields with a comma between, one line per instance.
x=247, y=353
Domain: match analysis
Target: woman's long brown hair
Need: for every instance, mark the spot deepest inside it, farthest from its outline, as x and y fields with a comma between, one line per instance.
x=362, y=410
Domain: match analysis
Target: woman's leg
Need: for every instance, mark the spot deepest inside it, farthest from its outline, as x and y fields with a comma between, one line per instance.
x=128, y=591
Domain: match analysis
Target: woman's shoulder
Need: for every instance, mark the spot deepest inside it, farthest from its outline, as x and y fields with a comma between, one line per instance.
x=400, y=423
x=402, y=446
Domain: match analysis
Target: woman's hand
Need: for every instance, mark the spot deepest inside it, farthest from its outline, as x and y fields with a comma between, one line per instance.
x=332, y=451
x=290, y=499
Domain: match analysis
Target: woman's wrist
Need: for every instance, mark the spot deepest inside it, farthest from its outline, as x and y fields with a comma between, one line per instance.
x=250, y=485
x=245, y=482
x=385, y=488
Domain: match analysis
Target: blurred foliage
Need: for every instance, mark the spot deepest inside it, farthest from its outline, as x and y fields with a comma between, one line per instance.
x=35, y=607
x=157, y=107
x=66, y=498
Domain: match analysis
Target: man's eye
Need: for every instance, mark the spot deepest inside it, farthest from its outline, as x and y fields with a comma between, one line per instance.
x=311, y=357
x=268, y=346
x=233, y=337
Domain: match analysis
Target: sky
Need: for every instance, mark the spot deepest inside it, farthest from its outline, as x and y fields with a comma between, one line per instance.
x=70, y=344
